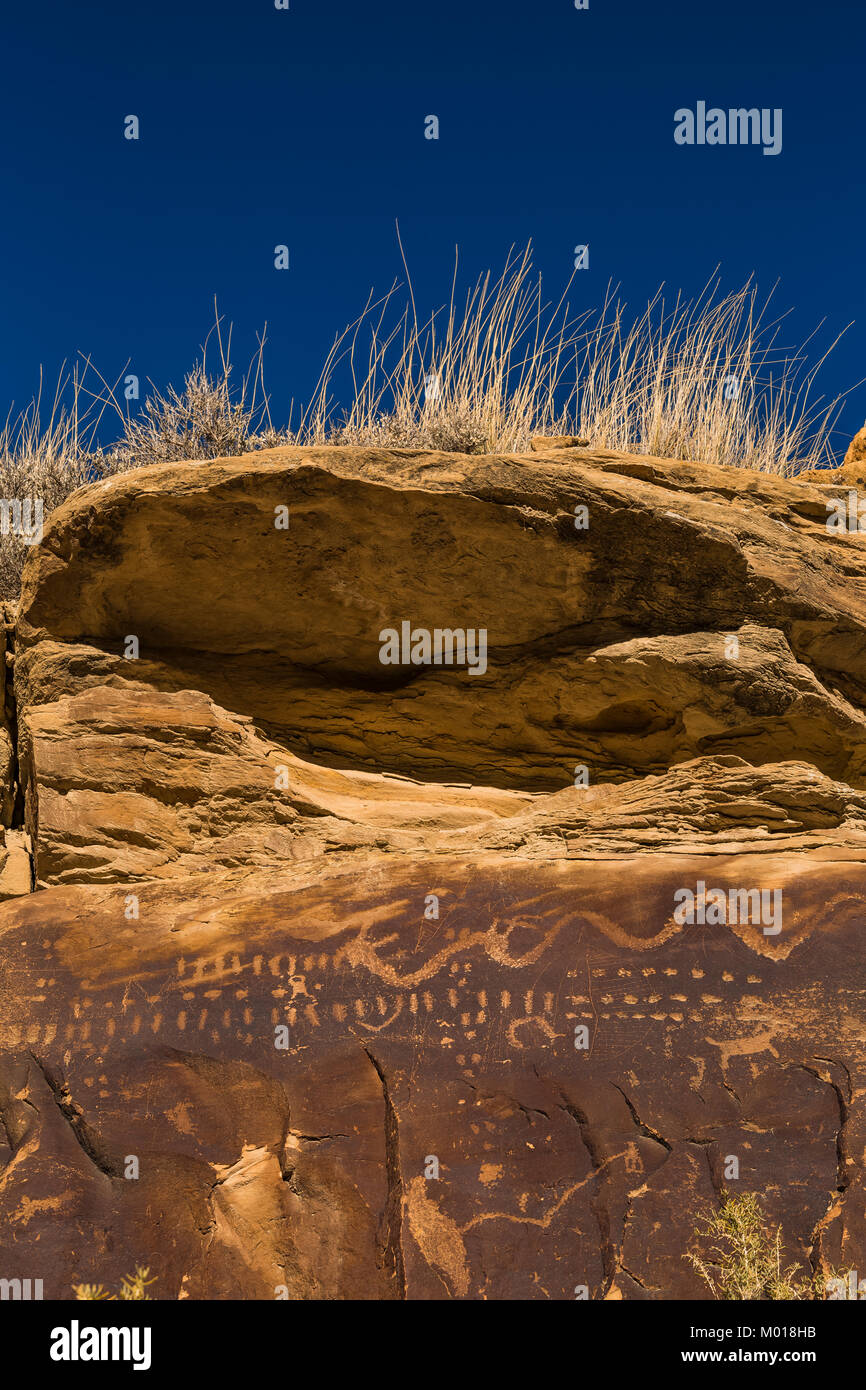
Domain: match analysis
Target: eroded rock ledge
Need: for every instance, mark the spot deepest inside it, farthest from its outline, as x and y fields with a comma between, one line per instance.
x=253, y=823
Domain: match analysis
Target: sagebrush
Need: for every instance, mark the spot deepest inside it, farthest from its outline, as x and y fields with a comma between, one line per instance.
x=740, y=1256
x=133, y=1289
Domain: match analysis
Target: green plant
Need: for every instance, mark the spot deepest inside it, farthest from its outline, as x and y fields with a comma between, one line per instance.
x=132, y=1288
x=745, y=1261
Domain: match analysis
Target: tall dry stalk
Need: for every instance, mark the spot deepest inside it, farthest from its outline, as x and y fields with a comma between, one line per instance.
x=706, y=379
x=474, y=378
x=45, y=460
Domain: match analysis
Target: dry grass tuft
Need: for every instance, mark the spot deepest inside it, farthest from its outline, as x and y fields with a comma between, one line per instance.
x=479, y=378
x=47, y=460
x=209, y=418
x=703, y=380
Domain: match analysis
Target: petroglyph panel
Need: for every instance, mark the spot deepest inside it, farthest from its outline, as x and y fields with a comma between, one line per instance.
x=455, y=1038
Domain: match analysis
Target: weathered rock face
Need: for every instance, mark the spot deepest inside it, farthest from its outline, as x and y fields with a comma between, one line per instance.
x=856, y=452
x=15, y=847
x=242, y=821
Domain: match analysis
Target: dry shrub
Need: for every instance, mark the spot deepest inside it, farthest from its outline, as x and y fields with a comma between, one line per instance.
x=705, y=379
x=50, y=459
x=479, y=376
x=745, y=1260
x=209, y=418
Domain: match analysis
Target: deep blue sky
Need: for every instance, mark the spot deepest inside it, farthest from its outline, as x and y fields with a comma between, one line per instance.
x=305, y=127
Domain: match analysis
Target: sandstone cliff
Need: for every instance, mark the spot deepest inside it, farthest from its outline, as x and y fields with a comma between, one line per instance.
x=224, y=816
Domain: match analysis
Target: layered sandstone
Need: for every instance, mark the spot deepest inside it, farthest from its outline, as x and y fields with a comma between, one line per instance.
x=238, y=818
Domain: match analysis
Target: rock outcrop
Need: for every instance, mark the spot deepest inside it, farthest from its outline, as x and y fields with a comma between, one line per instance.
x=856, y=451
x=347, y=979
